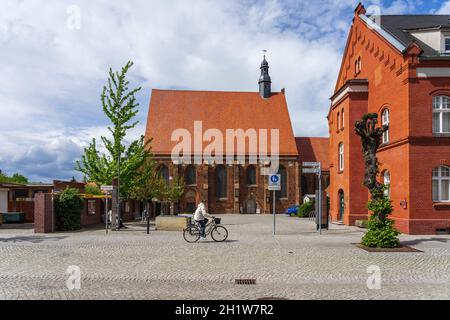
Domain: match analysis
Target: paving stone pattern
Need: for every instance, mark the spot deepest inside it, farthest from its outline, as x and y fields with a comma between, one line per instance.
x=295, y=264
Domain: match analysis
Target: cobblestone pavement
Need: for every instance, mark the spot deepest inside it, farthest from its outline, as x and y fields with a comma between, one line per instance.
x=295, y=264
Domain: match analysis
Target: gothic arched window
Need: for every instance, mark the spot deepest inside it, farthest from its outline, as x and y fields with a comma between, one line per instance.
x=221, y=181
x=251, y=175
x=163, y=172
x=190, y=177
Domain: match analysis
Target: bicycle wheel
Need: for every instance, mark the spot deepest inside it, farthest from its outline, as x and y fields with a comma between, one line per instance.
x=219, y=234
x=191, y=234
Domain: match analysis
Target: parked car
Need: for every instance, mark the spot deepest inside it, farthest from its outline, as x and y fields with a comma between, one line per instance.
x=292, y=211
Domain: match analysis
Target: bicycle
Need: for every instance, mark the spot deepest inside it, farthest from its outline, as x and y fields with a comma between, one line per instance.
x=218, y=233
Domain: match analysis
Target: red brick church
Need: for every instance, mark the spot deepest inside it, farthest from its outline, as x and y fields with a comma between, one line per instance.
x=230, y=187
x=399, y=68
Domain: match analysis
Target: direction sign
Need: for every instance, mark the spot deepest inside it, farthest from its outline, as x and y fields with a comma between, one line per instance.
x=106, y=188
x=311, y=170
x=311, y=164
x=274, y=182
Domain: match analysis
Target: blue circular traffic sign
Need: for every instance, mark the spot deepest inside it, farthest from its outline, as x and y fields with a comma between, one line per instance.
x=274, y=179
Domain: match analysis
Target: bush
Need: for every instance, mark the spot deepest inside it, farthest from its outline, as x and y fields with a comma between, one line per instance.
x=305, y=209
x=92, y=188
x=68, y=207
x=381, y=234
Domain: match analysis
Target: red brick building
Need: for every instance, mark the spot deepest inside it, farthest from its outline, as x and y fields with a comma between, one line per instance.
x=239, y=186
x=399, y=68
x=311, y=149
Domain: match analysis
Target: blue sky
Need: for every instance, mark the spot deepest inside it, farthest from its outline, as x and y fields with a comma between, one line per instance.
x=52, y=74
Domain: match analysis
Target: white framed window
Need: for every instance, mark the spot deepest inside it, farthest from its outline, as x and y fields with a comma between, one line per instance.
x=342, y=119
x=441, y=114
x=441, y=184
x=341, y=156
x=385, y=121
x=387, y=183
x=447, y=44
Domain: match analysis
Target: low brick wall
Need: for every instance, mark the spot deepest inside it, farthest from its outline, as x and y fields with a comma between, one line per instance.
x=92, y=212
x=171, y=223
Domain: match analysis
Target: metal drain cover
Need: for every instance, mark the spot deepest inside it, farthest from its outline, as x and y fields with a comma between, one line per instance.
x=245, y=281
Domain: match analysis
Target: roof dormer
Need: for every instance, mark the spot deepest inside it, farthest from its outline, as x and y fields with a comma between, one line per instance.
x=437, y=38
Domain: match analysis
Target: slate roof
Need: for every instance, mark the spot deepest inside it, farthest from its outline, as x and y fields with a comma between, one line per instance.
x=399, y=25
x=178, y=109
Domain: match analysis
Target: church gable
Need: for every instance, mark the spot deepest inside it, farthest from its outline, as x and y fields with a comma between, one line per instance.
x=213, y=116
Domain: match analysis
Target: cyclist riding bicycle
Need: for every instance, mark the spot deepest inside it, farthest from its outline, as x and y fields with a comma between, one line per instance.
x=200, y=217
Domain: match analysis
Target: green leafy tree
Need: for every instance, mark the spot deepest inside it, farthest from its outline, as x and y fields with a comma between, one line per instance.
x=174, y=191
x=15, y=178
x=92, y=188
x=68, y=207
x=147, y=185
x=120, y=106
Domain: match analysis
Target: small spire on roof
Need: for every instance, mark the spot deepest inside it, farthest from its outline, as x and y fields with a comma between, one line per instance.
x=264, y=79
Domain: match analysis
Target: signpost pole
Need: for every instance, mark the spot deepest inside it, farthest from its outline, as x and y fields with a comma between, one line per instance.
x=148, y=222
x=274, y=185
x=320, y=202
x=273, y=210
x=106, y=213
x=118, y=193
x=109, y=190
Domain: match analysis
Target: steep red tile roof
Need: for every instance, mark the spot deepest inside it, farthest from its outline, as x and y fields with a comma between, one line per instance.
x=313, y=150
x=176, y=109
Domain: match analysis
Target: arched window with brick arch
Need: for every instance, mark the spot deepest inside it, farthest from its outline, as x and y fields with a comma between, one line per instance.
x=190, y=176
x=441, y=115
x=251, y=175
x=385, y=121
x=441, y=184
x=338, y=122
x=387, y=183
x=341, y=156
x=221, y=181
x=358, y=66
x=163, y=172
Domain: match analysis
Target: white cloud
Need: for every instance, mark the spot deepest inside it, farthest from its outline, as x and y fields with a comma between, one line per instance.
x=51, y=76
x=444, y=9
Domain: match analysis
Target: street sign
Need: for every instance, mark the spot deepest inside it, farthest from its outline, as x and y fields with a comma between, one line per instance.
x=274, y=182
x=311, y=164
x=311, y=170
x=106, y=188
x=274, y=185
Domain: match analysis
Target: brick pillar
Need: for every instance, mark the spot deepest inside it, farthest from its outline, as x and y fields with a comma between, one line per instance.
x=43, y=213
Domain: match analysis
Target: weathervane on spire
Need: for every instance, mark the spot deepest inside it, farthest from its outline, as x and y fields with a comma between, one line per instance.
x=264, y=52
